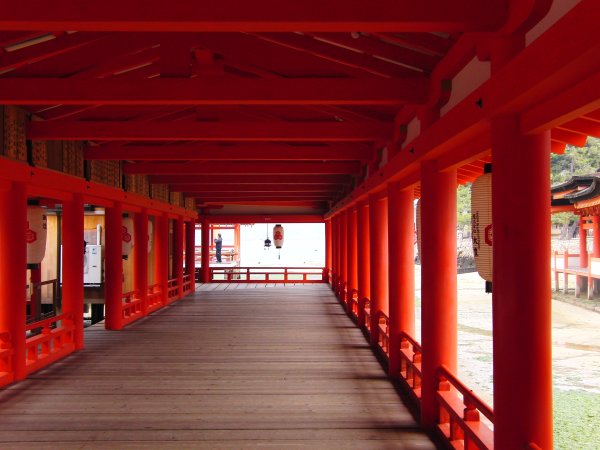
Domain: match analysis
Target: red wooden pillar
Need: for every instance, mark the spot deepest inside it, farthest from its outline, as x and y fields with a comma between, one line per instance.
x=378, y=230
x=13, y=270
x=336, y=251
x=344, y=252
x=72, y=267
x=190, y=252
x=328, y=250
x=140, y=257
x=583, y=256
x=363, y=256
x=205, y=242
x=401, y=269
x=178, y=254
x=113, y=267
x=352, y=250
x=35, y=302
x=161, y=254
x=596, y=232
x=438, y=282
x=521, y=291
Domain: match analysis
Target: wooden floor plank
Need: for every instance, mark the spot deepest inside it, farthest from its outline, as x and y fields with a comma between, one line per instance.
x=231, y=366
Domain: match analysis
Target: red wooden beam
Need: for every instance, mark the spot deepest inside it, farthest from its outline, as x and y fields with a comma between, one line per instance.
x=272, y=187
x=243, y=168
x=265, y=218
x=213, y=91
x=268, y=15
x=246, y=152
x=211, y=131
x=250, y=179
x=242, y=196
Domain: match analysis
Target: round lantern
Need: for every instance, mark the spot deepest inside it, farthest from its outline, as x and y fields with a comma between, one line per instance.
x=37, y=229
x=481, y=224
x=150, y=235
x=278, y=236
x=127, y=236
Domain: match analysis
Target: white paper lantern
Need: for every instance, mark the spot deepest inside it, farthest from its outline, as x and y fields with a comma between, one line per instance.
x=419, y=229
x=481, y=225
x=278, y=236
x=150, y=235
x=127, y=236
x=35, y=235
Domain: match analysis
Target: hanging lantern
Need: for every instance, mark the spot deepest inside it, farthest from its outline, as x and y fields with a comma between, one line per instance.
x=267, y=240
x=278, y=235
x=481, y=224
x=35, y=235
x=127, y=236
x=419, y=230
x=150, y=235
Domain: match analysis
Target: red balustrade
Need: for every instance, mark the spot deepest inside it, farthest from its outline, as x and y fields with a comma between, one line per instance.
x=172, y=290
x=267, y=275
x=6, y=352
x=188, y=286
x=365, y=307
x=410, y=363
x=154, y=298
x=131, y=308
x=353, y=302
x=383, y=323
x=459, y=418
x=50, y=339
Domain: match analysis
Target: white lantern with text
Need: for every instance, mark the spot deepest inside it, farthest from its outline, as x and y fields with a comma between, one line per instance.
x=127, y=236
x=278, y=236
x=481, y=225
x=150, y=235
x=35, y=234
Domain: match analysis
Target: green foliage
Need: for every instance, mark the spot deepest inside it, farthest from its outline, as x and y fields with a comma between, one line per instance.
x=575, y=161
x=463, y=205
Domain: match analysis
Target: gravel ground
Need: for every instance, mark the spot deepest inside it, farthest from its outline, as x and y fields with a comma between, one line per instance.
x=576, y=359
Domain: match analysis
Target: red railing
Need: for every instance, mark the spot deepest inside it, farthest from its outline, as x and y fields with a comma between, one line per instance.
x=365, y=306
x=172, y=290
x=267, y=275
x=187, y=284
x=6, y=352
x=353, y=302
x=410, y=363
x=131, y=307
x=50, y=340
x=459, y=419
x=154, y=299
x=383, y=339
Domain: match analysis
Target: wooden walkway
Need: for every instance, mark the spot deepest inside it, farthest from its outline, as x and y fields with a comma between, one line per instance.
x=256, y=368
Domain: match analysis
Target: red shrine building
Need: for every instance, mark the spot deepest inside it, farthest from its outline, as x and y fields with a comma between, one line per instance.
x=126, y=124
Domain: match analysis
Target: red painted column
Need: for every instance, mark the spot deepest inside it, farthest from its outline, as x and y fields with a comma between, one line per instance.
x=328, y=250
x=13, y=271
x=378, y=230
x=113, y=267
x=363, y=255
x=596, y=231
x=161, y=254
x=140, y=257
x=521, y=292
x=178, y=254
x=438, y=282
x=344, y=252
x=583, y=256
x=352, y=250
x=205, y=242
x=336, y=251
x=190, y=249
x=72, y=267
x=401, y=269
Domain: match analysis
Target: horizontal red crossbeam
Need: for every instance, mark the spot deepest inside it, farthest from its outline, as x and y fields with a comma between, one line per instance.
x=214, y=91
x=211, y=131
x=242, y=196
x=266, y=15
x=248, y=152
x=250, y=179
x=243, y=168
x=211, y=187
x=264, y=218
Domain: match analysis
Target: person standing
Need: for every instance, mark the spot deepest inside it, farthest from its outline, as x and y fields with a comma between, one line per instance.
x=219, y=246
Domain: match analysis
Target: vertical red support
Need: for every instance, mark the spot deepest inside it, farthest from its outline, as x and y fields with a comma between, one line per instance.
x=596, y=232
x=190, y=249
x=438, y=282
x=344, y=252
x=521, y=292
x=140, y=257
x=13, y=271
x=401, y=269
x=35, y=303
x=205, y=251
x=161, y=254
x=352, y=251
x=113, y=267
x=336, y=249
x=378, y=230
x=72, y=267
x=178, y=254
x=583, y=252
x=328, y=250
x=363, y=255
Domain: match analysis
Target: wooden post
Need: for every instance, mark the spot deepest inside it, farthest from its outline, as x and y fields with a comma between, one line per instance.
x=363, y=256
x=583, y=256
x=161, y=255
x=378, y=230
x=401, y=269
x=113, y=263
x=190, y=252
x=140, y=257
x=343, y=254
x=72, y=265
x=205, y=242
x=522, y=293
x=13, y=270
x=352, y=252
x=438, y=282
x=328, y=251
x=178, y=254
